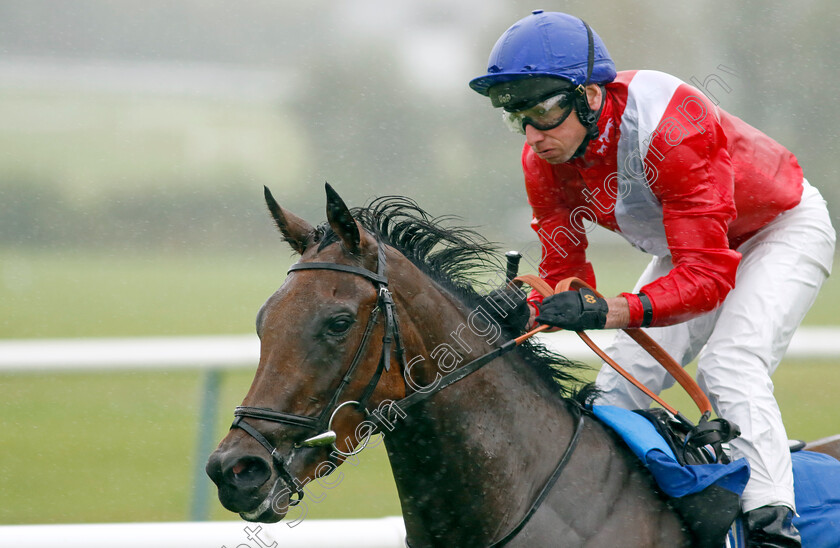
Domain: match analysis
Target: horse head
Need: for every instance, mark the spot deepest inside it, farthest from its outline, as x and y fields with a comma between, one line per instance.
x=373, y=288
x=319, y=369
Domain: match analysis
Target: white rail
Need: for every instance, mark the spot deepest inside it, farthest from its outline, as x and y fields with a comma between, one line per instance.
x=57, y=355
x=215, y=353
x=242, y=351
x=356, y=533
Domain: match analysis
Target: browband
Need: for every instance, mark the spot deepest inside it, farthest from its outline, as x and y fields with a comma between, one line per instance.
x=372, y=276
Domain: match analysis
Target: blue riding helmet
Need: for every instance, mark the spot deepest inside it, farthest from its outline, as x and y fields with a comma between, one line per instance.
x=546, y=47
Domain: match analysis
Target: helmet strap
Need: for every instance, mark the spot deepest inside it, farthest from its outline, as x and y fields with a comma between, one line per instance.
x=588, y=117
x=590, y=54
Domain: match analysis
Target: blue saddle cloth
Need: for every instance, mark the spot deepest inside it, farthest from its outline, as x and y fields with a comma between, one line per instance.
x=816, y=476
x=673, y=478
x=816, y=482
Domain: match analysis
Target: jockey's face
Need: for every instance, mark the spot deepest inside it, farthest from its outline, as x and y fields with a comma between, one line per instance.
x=558, y=145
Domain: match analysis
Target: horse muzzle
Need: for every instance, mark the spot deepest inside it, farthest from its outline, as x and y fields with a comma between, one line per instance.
x=248, y=486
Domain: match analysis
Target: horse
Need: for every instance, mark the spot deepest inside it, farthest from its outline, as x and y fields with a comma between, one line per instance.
x=365, y=335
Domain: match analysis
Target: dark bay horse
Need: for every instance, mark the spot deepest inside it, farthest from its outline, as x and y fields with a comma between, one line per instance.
x=380, y=306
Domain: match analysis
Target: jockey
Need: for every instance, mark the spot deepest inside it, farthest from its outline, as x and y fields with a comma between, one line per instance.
x=741, y=242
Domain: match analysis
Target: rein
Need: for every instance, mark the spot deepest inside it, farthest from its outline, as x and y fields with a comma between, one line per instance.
x=713, y=432
x=391, y=335
x=322, y=424
x=643, y=339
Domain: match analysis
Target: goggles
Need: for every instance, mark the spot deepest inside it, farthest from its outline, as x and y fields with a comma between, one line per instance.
x=545, y=115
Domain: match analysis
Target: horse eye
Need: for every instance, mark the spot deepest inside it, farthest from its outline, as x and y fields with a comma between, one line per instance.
x=340, y=325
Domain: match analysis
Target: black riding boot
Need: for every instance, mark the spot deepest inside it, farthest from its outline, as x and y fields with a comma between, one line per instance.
x=772, y=527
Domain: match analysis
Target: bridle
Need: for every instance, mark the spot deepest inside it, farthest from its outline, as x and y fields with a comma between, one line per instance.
x=707, y=432
x=391, y=336
x=322, y=424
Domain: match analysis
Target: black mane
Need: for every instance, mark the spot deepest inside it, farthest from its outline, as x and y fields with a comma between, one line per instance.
x=455, y=257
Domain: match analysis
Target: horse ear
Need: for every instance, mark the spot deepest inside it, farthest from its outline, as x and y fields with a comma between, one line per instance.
x=342, y=223
x=295, y=230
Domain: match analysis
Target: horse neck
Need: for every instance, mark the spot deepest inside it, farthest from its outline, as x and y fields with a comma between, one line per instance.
x=469, y=461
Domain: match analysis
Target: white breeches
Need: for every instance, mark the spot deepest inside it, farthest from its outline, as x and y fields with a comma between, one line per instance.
x=739, y=344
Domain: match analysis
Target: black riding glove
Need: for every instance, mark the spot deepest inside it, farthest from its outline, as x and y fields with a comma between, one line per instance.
x=509, y=307
x=574, y=310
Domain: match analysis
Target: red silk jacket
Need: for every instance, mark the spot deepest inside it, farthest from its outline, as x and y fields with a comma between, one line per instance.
x=673, y=174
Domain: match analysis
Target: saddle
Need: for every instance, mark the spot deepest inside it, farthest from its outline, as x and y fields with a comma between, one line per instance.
x=688, y=462
x=706, y=493
x=709, y=513
x=699, y=481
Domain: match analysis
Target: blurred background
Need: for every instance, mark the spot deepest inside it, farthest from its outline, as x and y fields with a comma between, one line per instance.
x=135, y=139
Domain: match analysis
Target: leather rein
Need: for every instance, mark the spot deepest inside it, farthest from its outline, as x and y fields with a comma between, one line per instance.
x=322, y=424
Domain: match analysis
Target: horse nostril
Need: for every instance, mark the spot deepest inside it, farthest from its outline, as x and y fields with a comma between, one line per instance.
x=249, y=472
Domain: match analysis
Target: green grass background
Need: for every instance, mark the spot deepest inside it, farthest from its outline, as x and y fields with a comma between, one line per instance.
x=121, y=446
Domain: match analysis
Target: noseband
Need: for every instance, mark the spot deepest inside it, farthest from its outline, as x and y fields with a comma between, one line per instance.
x=322, y=424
